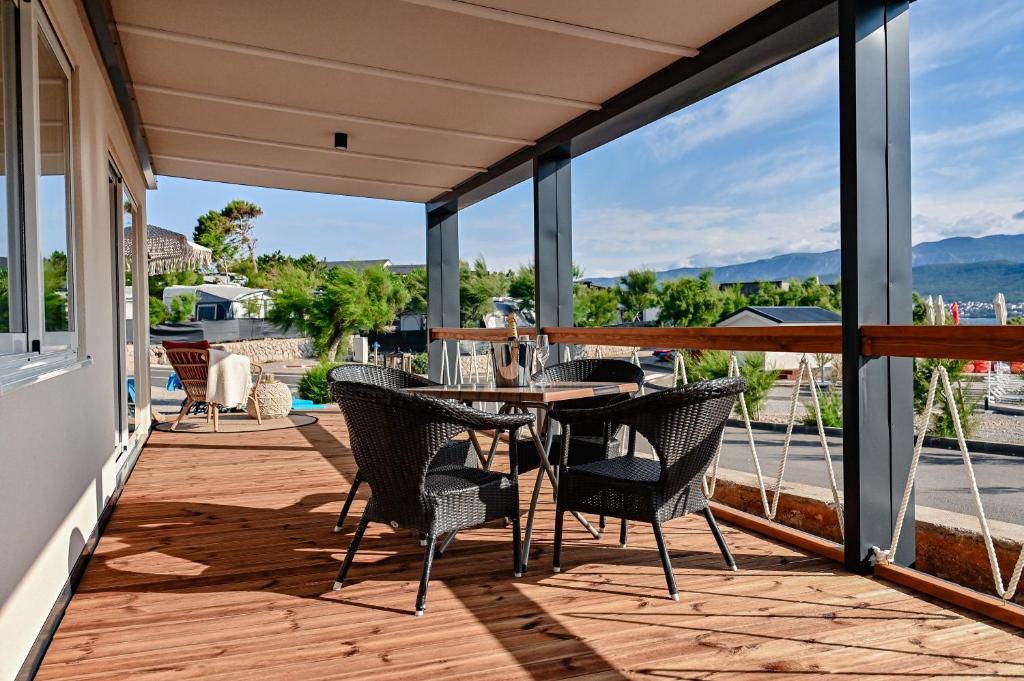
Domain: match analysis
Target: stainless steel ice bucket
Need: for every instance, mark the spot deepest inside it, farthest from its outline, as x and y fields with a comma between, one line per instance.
x=513, y=363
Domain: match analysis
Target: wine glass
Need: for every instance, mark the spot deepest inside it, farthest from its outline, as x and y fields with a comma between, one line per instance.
x=543, y=351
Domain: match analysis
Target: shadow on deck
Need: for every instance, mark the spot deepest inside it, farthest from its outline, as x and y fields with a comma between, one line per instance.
x=219, y=560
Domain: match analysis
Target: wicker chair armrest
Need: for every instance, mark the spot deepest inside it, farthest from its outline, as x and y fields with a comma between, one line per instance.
x=475, y=419
x=569, y=417
x=624, y=412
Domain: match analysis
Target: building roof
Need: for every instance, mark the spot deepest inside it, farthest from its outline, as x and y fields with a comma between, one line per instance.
x=431, y=93
x=809, y=314
x=223, y=291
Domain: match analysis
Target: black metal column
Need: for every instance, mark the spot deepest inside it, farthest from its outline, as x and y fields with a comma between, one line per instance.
x=874, y=112
x=552, y=238
x=442, y=281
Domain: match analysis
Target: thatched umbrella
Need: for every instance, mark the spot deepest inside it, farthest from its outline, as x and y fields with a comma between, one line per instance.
x=168, y=251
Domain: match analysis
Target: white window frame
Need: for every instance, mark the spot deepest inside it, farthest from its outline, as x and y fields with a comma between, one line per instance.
x=40, y=361
x=13, y=343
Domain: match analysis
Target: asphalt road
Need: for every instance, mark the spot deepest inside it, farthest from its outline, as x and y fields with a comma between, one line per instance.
x=941, y=476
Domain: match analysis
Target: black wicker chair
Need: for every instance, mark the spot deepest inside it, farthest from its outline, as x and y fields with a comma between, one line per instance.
x=453, y=455
x=589, y=441
x=592, y=441
x=394, y=437
x=684, y=426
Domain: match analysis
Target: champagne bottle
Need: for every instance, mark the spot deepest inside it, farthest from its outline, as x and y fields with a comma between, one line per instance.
x=513, y=331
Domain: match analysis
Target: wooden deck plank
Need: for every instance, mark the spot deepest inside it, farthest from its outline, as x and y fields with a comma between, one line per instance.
x=219, y=559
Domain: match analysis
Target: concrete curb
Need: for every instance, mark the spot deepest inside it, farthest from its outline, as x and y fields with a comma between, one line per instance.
x=949, y=545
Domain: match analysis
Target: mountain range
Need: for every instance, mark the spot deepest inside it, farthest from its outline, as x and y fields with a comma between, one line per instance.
x=958, y=268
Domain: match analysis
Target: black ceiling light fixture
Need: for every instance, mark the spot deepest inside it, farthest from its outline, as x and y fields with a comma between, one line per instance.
x=341, y=140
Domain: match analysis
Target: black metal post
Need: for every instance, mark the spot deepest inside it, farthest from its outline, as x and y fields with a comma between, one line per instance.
x=552, y=239
x=442, y=281
x=874, y=113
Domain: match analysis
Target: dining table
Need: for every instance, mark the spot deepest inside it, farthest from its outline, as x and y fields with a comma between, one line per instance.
x=521, y=399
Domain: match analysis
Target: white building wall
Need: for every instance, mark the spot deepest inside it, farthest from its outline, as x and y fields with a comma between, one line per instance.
x=57, y=437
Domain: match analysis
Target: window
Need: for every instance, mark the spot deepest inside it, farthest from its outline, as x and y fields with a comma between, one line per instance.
x=54, y=187
x=12, y=283
x=38, y=334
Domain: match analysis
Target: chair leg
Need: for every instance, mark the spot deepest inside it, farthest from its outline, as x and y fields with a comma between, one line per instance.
x=530, y=516
x=259, y=414
x=666, y=562
x=181, y=414
x=356, y=481
x=428, y=561
x=352, y=548
x=722, y=546
x=216, y=417
x=623, y=530
x=517, y=548
x=446, y=543
x=556, y=552
x=603, y=523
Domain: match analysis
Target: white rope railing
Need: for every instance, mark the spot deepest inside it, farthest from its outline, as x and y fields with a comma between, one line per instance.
x=458, y=363
x=1006, y=593
x=634, y=357
x=771, y=508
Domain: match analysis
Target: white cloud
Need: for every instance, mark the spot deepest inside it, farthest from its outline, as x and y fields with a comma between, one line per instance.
x=943, y=41
x=998, y=126
x=782, y=168
x=780, y=94
x=609, y=240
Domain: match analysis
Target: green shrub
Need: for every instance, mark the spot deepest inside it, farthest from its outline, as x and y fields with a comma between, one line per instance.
x=421, y=363
x=157, y=311
x=715, y=364
x=966, y=404
x=182, y=308
x=831, y=403
x=313, y=384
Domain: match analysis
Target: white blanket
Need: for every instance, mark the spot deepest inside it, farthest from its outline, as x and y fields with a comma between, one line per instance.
x=230, y=379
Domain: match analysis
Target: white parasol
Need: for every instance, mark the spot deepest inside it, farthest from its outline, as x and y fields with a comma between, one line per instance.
x=940, y=311
x=929, y=310
x=1000, y=306
x=168, y=251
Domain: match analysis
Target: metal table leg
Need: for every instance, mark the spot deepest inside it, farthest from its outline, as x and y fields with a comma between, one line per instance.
x=546, y=468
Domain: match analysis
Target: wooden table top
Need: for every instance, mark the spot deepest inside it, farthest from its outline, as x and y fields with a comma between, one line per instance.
x=552, y=392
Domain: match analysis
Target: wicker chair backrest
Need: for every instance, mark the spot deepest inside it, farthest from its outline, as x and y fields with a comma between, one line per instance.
x=684, y=425
x=376, y=375
x=584, y=370
x=395, y=435
x=192, y=365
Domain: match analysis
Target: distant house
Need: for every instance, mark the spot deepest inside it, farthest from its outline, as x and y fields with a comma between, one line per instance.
x=215, y=302
x=765, y=315
x=756, y=315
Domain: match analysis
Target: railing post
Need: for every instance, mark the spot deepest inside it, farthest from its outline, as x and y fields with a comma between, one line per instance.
x=552, y=240
x=874, y=106
x=442, y=281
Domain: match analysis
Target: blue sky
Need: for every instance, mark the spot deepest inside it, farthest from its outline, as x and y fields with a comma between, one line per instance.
x=748, y=173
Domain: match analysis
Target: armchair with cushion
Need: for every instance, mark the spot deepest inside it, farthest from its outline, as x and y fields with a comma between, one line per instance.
x=191, y=363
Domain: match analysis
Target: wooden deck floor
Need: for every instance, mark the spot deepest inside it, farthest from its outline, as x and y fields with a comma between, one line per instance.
x=219, y=560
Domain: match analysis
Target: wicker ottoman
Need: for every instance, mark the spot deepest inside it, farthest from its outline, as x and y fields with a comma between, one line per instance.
x=275, y=400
